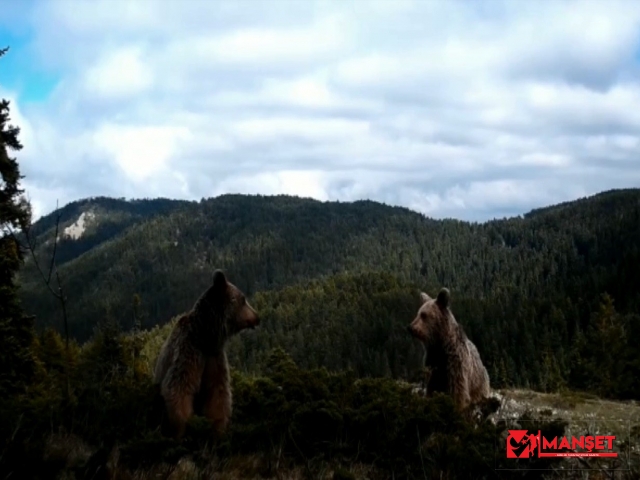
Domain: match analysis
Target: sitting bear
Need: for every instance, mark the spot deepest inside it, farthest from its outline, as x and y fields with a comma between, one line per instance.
x=191, y=370
x=454, y=360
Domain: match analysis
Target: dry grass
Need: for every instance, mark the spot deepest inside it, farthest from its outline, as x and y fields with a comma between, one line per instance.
x=585, y=415
x=74, y=454
x=67, y=449
x=250, y=467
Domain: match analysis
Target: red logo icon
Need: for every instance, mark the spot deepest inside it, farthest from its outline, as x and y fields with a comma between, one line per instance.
x=522, y=444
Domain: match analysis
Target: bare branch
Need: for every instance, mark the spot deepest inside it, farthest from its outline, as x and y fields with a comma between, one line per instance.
x=31, y=244
x=55, y=243
x=63, y=302
x=59, y=294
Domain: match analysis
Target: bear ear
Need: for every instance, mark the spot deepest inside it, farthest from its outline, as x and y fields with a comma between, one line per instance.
x=424, y=297
x=444, y=297
x=219, y=280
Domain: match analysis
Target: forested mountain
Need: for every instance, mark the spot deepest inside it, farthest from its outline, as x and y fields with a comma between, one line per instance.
x=92, y=221
x=337, y=283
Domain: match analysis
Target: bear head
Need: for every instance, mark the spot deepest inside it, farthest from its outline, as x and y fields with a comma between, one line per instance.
x=432, y=318
x=230, y=305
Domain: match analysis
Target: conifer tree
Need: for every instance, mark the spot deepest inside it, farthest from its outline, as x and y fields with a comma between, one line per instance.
x=16, y=330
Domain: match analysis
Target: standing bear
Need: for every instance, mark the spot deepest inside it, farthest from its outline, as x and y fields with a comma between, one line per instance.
x=453, y=358
x=192, y=370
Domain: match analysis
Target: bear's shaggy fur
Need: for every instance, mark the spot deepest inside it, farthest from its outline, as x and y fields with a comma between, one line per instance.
x=453, y=359
x=191, y=370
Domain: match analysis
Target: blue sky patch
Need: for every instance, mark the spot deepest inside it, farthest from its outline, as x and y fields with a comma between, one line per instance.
x=20, y=74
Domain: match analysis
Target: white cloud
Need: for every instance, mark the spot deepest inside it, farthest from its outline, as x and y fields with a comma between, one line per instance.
x=120, y=73
x=258, y=46
x=269, y=129
x=466, y=109
x=306, y=184
x=140, y=151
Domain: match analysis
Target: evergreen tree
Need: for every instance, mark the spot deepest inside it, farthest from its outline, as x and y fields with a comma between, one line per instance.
x=601, y=356
x=16, y=330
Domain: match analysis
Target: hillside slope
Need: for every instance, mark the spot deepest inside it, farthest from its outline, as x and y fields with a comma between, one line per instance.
x=85, y=224
x=523, y=287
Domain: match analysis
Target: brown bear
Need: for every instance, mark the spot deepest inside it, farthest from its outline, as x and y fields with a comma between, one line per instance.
x=191, y=370
x=453, y=359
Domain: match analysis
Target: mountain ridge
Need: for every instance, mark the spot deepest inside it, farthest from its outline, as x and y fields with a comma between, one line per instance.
x=522, y=287
x=75, y=207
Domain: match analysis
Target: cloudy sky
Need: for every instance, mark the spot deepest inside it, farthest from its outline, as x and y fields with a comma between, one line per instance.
x=470, y=109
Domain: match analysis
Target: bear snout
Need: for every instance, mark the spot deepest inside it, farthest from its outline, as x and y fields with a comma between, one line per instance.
x=415, y=332
x=254, y=321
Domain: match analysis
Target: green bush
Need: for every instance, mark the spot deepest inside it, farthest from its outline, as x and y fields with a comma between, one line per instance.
x=305, y=417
